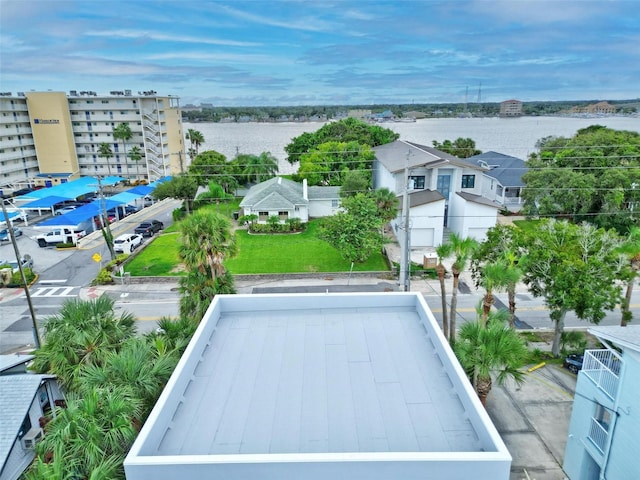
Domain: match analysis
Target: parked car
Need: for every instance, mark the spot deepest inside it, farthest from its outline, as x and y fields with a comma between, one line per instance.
x=573, y=362
x=5, y=237
x=147, y=229
x=26, y=261
x=127, y=243
x=65, y=210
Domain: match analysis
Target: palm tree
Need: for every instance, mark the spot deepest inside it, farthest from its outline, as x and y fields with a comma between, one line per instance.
x=135, y=154
x=631, y=250
x=207, y=240
x=138, y=367
x=387, y=204
x=495, y=276
x=260, y=167
x=123, y=132
x=488, y=349
x=443, y=251
x=195, y=139
x=81, y=334
x=91, y=437
x=104, y=151
x=461, y=248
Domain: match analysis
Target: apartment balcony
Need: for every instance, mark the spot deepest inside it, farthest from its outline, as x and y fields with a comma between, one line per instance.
x=599, y=434
x=603, y=368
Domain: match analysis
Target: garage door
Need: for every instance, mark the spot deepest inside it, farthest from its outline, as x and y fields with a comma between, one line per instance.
x=422, y=237
x=479, y=234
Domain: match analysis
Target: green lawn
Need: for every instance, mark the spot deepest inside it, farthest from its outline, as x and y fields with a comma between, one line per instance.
x=299, y=253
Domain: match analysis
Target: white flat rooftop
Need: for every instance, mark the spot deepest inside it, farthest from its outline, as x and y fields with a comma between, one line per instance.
x=311, y=379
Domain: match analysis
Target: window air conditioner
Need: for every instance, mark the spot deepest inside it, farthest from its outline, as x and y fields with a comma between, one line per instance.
x=32, y=437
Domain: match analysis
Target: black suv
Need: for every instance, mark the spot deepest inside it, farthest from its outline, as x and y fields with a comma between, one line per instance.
x=147, y=229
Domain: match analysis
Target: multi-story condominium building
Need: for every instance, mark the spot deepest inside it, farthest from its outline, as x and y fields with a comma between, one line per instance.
x=511, y=108
x=603, y=437
x=50, y=137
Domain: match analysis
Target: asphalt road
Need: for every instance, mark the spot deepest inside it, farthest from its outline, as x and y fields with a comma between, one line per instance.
x=64, y=273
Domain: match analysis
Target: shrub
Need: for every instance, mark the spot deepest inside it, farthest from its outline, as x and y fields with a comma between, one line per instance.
x=178, y=214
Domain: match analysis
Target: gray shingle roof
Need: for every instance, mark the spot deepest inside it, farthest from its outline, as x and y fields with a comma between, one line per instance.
x=323, y=193
x=16, y=395
x=394, y=156
x=423, y=197
x=9, y=361
x=506, y=169
x=286, y=189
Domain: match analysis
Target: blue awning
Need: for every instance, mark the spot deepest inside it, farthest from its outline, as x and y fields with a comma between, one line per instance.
x=45, y=202
x=9, y=214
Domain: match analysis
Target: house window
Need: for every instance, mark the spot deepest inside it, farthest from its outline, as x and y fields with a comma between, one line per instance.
x=263, y=216
x=499, y=190
x=418, y=182
x=335, y=203
x=468, y=181
x=283, y=215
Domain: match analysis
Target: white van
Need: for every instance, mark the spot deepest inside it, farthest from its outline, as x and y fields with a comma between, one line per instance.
x=127, y=243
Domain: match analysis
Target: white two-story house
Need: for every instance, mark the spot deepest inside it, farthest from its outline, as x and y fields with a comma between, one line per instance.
x=445, y=192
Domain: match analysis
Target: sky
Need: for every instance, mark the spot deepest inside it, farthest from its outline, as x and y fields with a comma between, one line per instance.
x=325, y=52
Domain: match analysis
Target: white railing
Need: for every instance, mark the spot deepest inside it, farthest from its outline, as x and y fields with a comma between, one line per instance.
x=603, y=368
x=598, y=434
x=151, y=148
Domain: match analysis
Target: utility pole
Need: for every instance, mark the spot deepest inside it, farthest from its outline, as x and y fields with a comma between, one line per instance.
x=405, y=265
x=34, y=323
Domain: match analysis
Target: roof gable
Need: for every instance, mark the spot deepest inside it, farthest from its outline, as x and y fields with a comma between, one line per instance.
x=396, y=155
x=287, y=189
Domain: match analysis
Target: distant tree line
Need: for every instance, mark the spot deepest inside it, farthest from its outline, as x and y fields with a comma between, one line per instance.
x=329, y=112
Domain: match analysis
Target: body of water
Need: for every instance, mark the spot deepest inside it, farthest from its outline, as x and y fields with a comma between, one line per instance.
x=510, y=136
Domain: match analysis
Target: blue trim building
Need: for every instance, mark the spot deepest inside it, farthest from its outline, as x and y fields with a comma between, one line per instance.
x=604, y=437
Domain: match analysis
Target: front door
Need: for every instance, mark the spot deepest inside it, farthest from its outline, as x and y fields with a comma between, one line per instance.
x=444, y=186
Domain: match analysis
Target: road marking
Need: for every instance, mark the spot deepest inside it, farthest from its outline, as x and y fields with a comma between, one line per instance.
x=53, y=292
x=52, y=281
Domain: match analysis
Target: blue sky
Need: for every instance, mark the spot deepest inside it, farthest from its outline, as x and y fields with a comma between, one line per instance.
x=325, y=51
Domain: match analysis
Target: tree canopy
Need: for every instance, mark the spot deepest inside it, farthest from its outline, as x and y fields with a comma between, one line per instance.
x=354, y=232
x=342, y=131
x=574, y=268
x=460, y=147
x=328, y=163
x=593, y=176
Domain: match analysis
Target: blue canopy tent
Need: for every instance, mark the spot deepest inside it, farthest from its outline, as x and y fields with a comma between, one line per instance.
x=70, y=190
x=10, y=215
x=44, y=202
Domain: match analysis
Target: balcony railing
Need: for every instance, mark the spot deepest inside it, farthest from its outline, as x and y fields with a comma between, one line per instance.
x=598, y=434
x=603, y=368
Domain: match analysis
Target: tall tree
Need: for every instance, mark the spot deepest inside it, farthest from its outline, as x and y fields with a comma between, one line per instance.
x=502, y=245
x=182, y=187
x=353, y=182
x=123, y=132
x=135, y=154
x=460, y=147
x=495, y=276
x=593, y=176
x=342, y=131
x=354, y=232
x=213, y=166
x=630, y=248
x=196, y=139
x=329, y=162
x=207, y=240
x=443, y=251
x=491, y=348
x=461, y=249
x=104, y=151
x=258, y=167
x=574, y=268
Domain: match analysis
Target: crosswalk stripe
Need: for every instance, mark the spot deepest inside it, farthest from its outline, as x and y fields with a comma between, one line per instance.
x=53, y=292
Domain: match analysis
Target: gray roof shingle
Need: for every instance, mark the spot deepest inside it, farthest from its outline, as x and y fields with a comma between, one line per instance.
x=506, y=169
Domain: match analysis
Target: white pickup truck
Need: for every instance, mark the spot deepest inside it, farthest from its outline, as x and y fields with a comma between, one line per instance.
x=60, y=235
